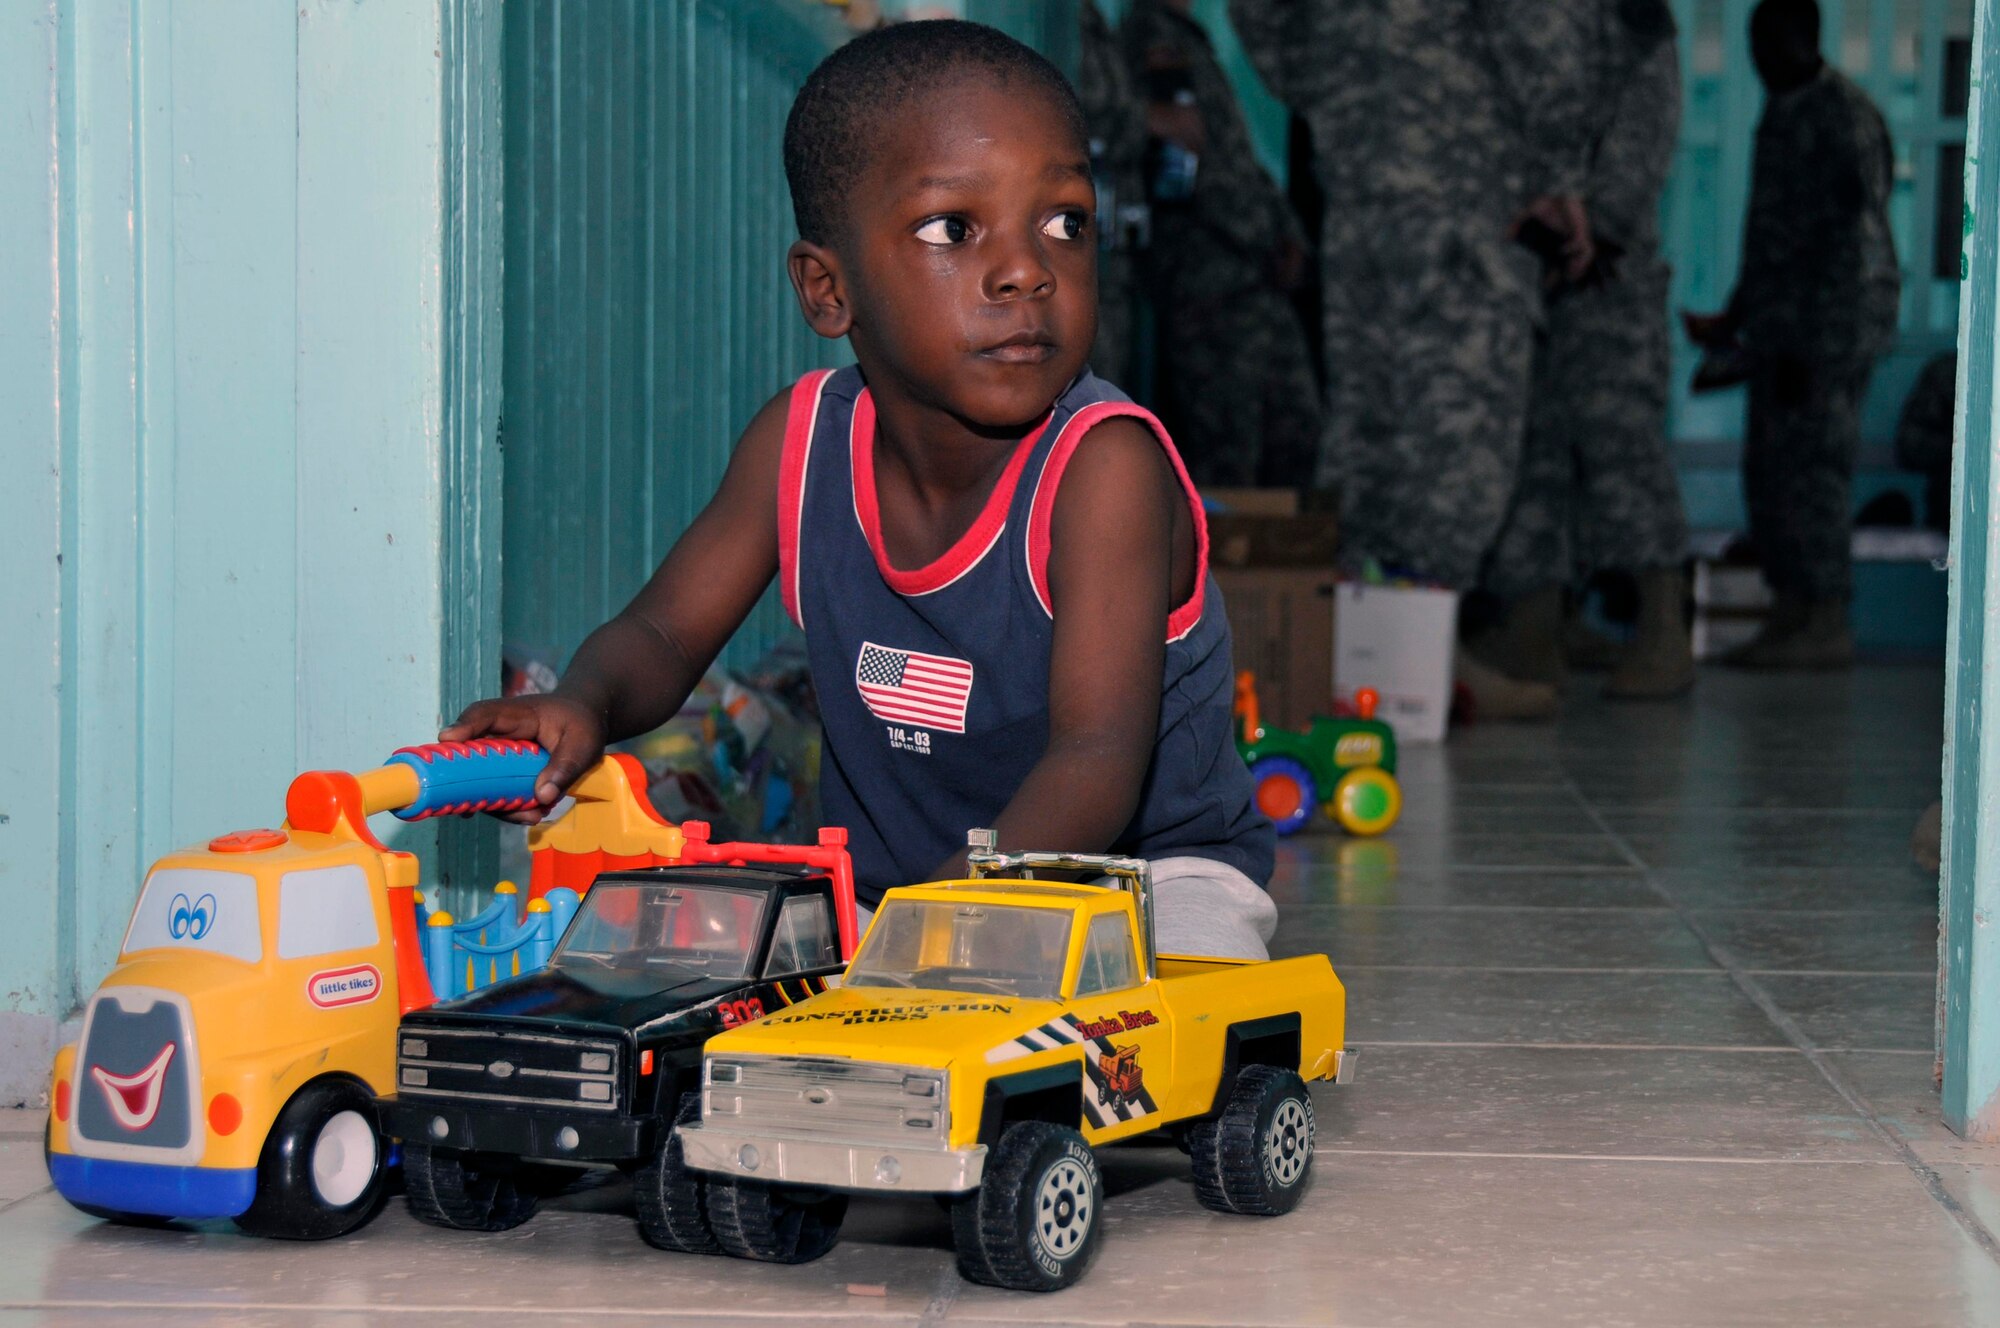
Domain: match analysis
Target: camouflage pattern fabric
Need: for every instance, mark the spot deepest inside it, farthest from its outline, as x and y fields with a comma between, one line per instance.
x=1114, y=109
x=1815, y=304
x=1245, y=402
x=1925, y=434
x=1597, y=488
x=1819, y=279
x=1247, y=405
x=1434, y=122
x=1798, y=476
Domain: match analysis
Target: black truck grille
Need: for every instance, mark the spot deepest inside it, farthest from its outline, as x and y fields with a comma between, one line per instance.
x=526, y=1069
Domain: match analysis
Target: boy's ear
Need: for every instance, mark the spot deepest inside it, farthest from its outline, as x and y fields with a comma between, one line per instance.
x=816, y=280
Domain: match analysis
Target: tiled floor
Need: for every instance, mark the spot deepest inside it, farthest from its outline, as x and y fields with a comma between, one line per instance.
x=1645, y=1009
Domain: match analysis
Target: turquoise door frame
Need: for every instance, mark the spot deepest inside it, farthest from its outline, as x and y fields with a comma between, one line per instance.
x=248, y=388
x=1970, y=944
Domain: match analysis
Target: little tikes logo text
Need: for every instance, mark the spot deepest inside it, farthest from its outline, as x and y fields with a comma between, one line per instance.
x=344, y=986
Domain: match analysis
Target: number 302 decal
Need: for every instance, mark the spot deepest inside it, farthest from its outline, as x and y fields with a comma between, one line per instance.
x=741, y=1012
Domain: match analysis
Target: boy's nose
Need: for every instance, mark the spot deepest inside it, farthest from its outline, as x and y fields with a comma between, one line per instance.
x=1020, y=271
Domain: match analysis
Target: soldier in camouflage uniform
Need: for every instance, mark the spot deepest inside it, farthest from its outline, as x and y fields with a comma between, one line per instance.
x=1115, y=110
x=1232, y=354
x=1815, y=306
x=1436, y=124
x=1598, y=489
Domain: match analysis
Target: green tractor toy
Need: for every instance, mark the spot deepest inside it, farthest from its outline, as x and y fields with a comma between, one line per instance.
x=1346, y=764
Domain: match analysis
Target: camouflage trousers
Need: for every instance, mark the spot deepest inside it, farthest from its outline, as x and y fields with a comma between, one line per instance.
x=1117, y=288
x=1246, y=403
x=1798, y=476
x=1429, y=342
x=1597, y=488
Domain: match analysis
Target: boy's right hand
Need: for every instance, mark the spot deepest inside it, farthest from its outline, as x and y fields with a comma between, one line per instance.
x=569, y=731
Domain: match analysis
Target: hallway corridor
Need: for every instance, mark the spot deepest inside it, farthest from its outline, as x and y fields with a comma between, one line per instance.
x=1644, y=1007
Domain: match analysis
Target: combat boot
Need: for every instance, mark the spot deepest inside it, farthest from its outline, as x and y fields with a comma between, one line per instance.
x=1495, y=696
x=1660, y=661
x=1786, y=617
x=1588, y=650
x=1528, y=645
x=1819, y=638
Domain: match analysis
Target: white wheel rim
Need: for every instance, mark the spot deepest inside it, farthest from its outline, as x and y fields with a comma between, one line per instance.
x=1065, y=1206
x=1288, y=1144
x=343, y=1159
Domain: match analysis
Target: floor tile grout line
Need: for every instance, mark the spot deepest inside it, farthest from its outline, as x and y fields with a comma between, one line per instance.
x=1763, y=1048
x=1716, y=970
x=1741, y=1049
x=651, y=1312
x=1678, y=1159
x=1925, y=1174
x=12, y=1204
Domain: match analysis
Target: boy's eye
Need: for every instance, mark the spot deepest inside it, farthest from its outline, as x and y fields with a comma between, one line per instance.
x=943, y=230
x=1066, y=225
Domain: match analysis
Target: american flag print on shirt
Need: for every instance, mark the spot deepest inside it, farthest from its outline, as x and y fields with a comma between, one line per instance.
x=906, y=687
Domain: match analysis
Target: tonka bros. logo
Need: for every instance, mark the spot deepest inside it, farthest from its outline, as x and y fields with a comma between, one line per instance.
x=344, y=986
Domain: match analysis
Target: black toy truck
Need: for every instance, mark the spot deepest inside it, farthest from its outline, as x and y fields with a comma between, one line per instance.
x=593, y=1059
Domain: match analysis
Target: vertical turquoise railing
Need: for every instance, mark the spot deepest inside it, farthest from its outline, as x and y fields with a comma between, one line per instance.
x=648, y=314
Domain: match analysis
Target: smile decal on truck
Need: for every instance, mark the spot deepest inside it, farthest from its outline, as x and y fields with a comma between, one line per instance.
x=344, y=986
x=134, y=1099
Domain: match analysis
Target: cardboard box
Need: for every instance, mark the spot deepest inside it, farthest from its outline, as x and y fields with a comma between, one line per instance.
x=1398, y=640
x=1272, y=541
x=1282, y=621
x=1253, y=502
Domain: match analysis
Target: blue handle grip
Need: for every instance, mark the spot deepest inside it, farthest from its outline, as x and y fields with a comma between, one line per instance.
x=484, y=775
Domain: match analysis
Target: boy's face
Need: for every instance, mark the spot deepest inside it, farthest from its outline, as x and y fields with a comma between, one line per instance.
x=969, y=261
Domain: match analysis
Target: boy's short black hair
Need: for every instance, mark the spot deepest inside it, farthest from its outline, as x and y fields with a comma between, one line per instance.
x=831, y=127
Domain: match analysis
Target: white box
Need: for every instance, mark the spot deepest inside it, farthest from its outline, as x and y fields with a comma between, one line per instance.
x=1398, y=640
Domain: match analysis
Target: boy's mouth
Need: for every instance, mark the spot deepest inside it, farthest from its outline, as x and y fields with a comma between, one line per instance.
x=1026, y=347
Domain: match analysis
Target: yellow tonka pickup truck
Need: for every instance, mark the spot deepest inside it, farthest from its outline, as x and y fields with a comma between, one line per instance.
x=988, y=1034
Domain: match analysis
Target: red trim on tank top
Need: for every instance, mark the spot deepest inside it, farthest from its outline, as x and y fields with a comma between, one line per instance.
x=1041, y=518
x=971, y=547
x=801, y=417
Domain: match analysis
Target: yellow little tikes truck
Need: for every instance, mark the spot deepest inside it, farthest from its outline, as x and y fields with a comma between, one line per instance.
x=228, y=1064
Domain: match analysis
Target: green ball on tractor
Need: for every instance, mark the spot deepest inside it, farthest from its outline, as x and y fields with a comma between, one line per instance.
x=1346, y=765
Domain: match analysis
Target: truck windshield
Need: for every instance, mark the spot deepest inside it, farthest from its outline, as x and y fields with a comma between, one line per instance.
x=710, y=929
x=941, y=946
x=200, y=909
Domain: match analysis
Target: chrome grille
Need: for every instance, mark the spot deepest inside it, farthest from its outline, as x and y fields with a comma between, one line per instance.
x=828, y=1097
x=526, y=1069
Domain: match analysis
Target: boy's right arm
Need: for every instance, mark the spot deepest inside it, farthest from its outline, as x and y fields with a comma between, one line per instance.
x=635, y=672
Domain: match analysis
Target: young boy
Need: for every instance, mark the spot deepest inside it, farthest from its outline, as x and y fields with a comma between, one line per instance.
x=998, y=561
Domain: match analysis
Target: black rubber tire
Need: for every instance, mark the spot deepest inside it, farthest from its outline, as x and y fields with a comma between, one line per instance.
x=670, y=1198
x=450, y=1189
x=289, y=1205
x=772, y=1224
x=1233, y=1172
x=1008, y=1231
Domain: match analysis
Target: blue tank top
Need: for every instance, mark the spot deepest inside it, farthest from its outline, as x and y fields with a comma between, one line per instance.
x=934, y=683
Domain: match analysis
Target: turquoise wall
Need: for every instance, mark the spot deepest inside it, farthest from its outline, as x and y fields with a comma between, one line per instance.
x=1969, y=944
x=235, y=303
x=648, y=314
